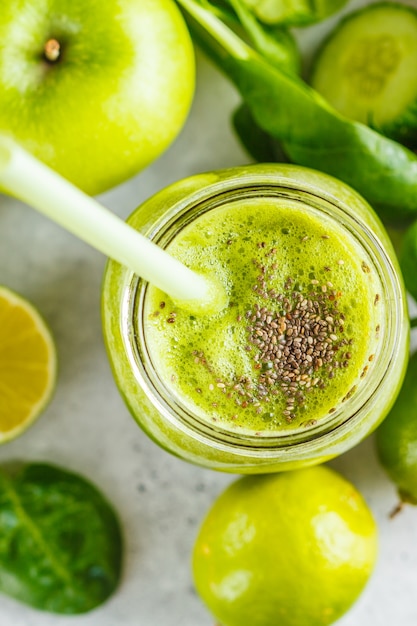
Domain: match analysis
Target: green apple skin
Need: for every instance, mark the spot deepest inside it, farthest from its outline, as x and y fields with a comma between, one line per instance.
x=116, y=97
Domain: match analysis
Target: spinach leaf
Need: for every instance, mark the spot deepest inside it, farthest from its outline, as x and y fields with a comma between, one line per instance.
x=312, y=133
x=277, y=44
x=279, y=47
x=289, y=13
x=60, y=541
x=294, y=12
x=259, y=145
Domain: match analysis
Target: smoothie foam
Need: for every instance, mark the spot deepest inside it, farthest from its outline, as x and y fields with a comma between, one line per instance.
x=298, y=334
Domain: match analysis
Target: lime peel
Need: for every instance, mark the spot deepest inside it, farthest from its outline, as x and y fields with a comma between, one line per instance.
x=294, y=548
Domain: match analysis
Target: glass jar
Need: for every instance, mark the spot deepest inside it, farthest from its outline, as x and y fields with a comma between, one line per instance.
x=172, y=423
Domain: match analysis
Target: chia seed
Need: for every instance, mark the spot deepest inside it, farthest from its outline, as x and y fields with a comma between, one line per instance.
x=294, y=336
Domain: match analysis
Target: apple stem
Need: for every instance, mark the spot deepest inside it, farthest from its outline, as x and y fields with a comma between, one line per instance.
x=52, y=50
x=397, y=509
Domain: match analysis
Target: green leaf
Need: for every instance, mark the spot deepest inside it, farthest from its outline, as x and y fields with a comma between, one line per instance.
x=277, y=45
x=312, y=133
x=259, y=145
x=294, y=12
x=60, y=541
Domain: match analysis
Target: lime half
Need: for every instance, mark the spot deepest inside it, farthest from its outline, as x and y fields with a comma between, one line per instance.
x=27, y=364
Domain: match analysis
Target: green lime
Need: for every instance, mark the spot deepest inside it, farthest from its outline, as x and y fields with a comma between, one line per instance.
x=396, y=438
x=291, y=549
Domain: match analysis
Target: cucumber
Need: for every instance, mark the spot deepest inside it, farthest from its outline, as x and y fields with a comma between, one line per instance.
x=367, y=69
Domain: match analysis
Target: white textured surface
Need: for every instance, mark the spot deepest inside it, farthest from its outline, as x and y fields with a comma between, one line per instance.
x=87, y=428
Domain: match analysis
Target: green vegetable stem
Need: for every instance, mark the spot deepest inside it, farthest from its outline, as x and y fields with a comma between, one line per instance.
x=277, y=44
x=280, y=48
x=311, y=132
x=60, y=541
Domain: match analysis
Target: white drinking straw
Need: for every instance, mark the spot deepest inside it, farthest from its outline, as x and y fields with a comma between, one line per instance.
x=27, y=178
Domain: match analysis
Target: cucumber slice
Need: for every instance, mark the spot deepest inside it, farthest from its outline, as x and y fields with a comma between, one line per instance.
x=367, y=69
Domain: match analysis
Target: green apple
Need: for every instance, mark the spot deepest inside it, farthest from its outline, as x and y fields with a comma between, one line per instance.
x=97, y=89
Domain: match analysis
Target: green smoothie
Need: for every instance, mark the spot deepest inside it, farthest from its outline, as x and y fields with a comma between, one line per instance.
x=299, y=332
x=308, y=355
